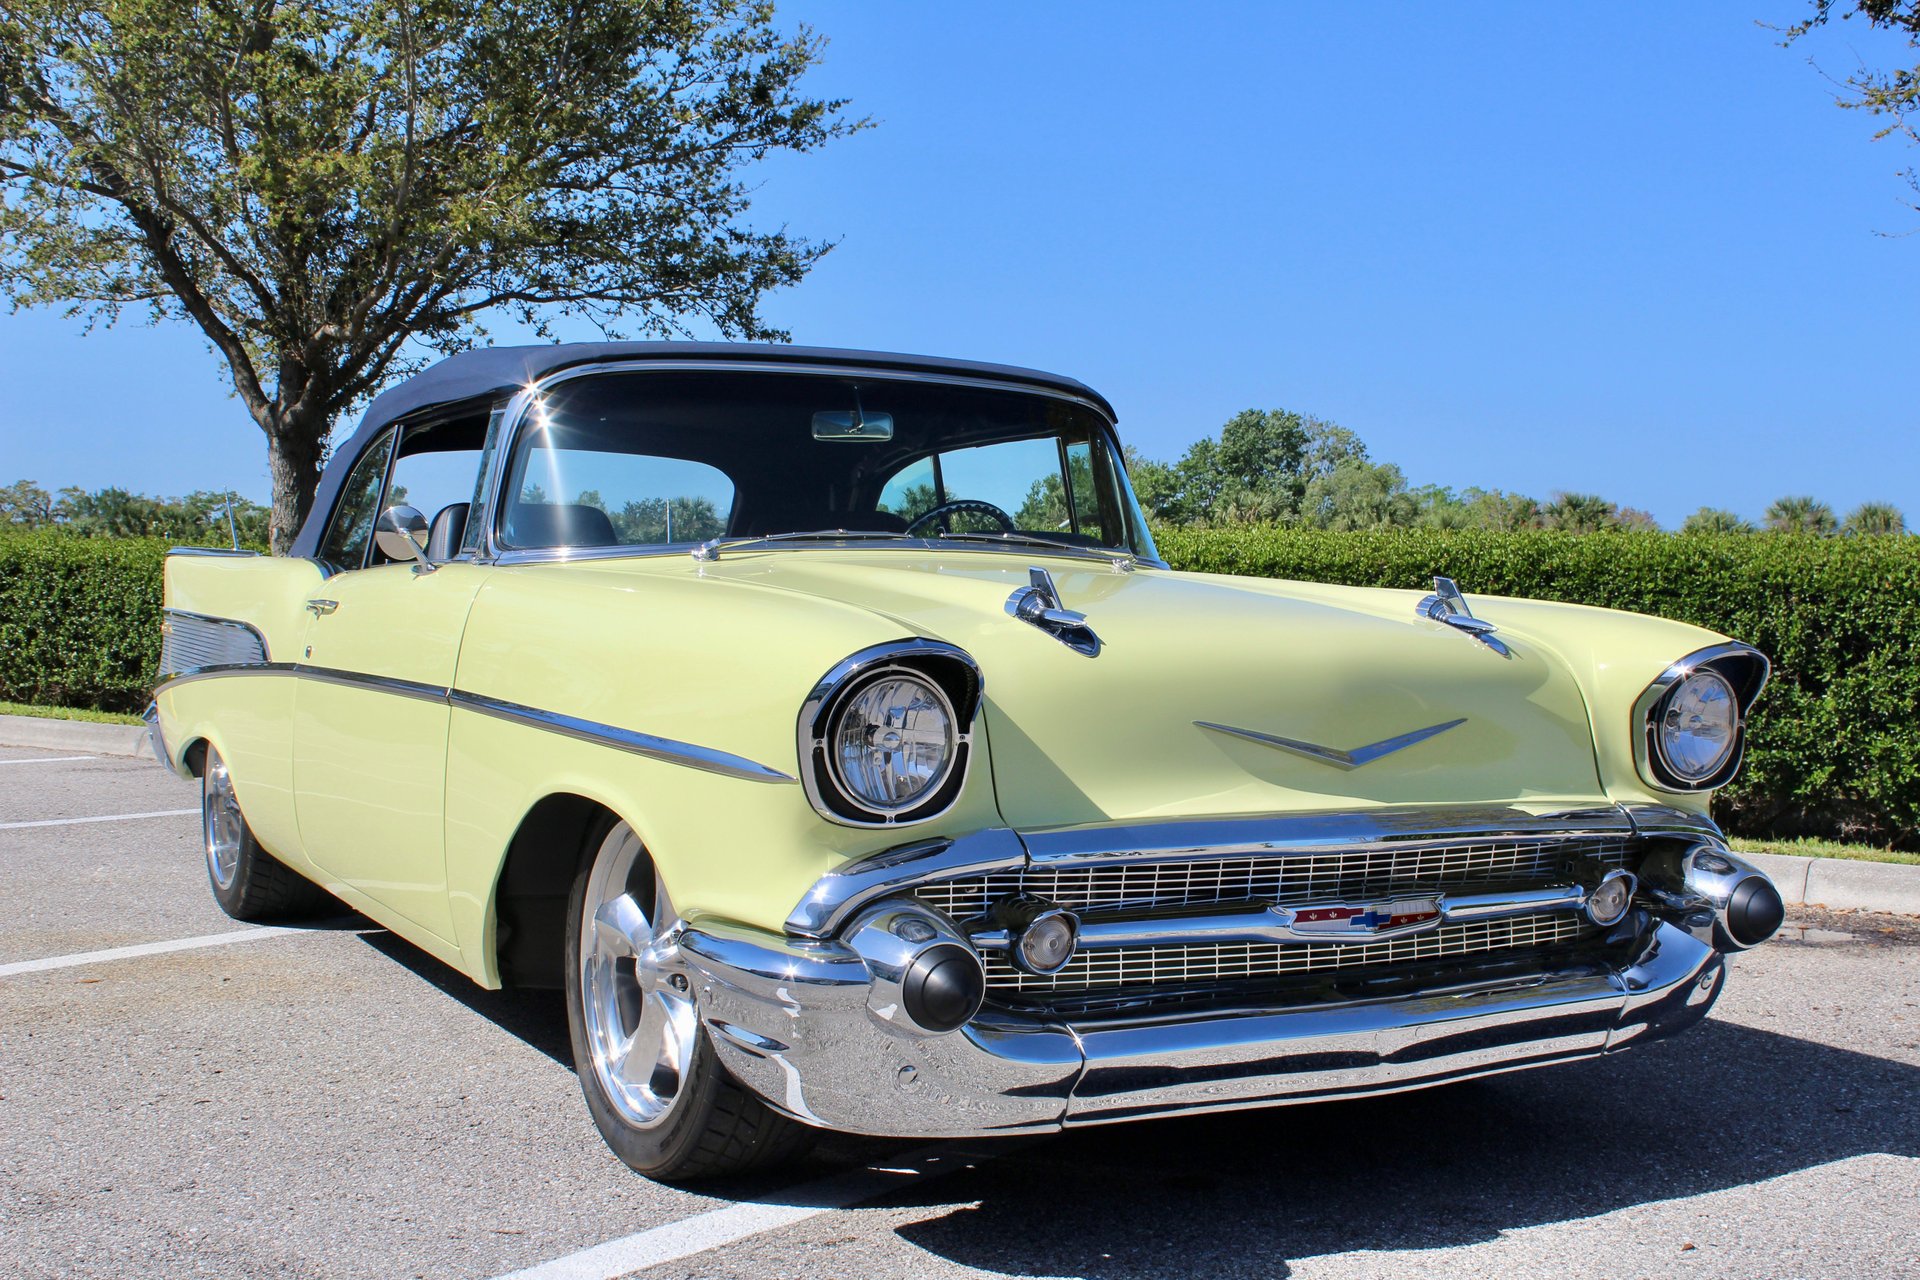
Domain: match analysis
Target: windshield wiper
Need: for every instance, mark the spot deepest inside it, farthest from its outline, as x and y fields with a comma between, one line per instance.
x=1118, y=555
x=711, y=548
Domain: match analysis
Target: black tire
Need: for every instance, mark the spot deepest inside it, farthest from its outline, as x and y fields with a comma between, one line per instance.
x=713, y=1127
x=258, y=886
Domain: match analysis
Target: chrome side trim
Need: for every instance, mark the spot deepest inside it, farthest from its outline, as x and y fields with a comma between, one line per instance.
x=156, y=736
x=838, y=894
x=209, y=551
x=1304, y=833
x=688, y=754
x=641, y=744
x=1644, y=728
x=193, y=640
x=1329, y=755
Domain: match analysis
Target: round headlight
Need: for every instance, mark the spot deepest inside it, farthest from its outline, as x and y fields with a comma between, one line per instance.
x=1699, y=726
x=893, y=742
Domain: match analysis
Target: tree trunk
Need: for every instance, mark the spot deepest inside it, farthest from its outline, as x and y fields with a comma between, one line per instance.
x=293, y=459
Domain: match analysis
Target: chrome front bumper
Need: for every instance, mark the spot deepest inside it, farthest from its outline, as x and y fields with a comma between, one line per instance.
x=798, y=1023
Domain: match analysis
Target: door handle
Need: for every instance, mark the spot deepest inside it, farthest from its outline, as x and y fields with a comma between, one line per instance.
x=320, y=608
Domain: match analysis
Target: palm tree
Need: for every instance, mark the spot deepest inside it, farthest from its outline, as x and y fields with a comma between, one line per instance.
x=1580, y=513
x=1876, y=517
x=1715, y=520
x=1801, y=515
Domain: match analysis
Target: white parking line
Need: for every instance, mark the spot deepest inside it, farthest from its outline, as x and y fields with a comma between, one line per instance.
x=143, y=949
x=108, y=817
x=48, y=759
x=672, y=1241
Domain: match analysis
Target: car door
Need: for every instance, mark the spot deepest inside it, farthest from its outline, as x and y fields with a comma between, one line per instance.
x=370, y=711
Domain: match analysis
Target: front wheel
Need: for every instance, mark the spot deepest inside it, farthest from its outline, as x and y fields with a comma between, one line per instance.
x=653, y=1083
x=248, y=882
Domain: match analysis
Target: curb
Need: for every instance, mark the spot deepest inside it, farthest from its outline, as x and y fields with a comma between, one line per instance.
x=1842, y=883
x=74, y=735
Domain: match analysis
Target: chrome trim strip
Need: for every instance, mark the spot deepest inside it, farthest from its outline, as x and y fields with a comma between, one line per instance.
x=209, y=551
x=838, y=894
x=1661, y=820
x=1271, y=922
x=1388, y=827
x=630, y=740
x=156, y=736
x=1328, y=755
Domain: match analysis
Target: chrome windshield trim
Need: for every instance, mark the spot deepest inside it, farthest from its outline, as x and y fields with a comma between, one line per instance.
x=631, y=740
x=521, y=402
x=1278, y=923
x=843, y=891
x=561, y=555
x=1395, y=827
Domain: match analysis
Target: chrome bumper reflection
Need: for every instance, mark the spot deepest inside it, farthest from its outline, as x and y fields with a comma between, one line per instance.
x=794, y=1022
x=156, y=736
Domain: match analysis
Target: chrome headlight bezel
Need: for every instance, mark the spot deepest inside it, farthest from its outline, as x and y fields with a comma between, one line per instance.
x=1743, y=669
x=945, y=669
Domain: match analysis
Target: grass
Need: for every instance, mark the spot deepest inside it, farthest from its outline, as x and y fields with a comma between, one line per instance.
x=1808, y=847
x=67, y=713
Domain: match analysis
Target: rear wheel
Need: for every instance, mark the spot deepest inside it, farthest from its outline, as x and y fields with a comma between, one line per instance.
x=248, y=882
x=653, y=1083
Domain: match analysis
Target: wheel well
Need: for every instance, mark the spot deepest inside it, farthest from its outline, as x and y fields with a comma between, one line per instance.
x=530, y=900
x=195, y=756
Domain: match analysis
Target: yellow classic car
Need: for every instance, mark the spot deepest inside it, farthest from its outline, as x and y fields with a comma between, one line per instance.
x=824, y=724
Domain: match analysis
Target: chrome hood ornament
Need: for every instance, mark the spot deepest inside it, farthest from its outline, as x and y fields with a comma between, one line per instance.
x=1038, y=604
x=1353, y=759
x=1447, y=605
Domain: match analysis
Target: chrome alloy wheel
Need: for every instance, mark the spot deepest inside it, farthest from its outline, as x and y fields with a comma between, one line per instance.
x=225, y=829
x=640, y=1021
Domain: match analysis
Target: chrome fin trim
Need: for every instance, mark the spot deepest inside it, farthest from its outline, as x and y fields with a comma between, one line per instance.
x=190, y=641
x=1353, y=759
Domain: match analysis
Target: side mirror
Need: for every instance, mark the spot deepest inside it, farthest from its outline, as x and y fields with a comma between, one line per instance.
x=401, y=534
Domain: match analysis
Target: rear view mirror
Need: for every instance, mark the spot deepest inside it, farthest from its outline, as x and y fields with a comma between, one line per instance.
x=851, y=424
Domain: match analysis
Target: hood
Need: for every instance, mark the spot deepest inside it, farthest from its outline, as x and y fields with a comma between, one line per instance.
x=1075, y=739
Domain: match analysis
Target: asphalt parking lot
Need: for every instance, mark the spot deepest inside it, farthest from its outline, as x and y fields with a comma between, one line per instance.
x=324, y=1101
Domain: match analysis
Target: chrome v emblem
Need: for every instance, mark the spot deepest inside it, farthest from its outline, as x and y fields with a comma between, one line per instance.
x=1328, y=755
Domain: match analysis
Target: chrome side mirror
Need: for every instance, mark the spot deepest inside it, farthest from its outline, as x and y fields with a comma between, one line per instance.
x=401, y=534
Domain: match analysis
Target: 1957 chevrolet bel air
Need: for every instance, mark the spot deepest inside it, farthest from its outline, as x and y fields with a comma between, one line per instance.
x=825, y=724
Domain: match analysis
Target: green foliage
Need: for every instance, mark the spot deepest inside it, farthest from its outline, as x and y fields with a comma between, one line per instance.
x=1875, y=518
x=1835, y=747
x=1801, y=515
x=200, y=517
x=1892, y=94
x=327, y=189
x=79, y=619
x=1715, y=520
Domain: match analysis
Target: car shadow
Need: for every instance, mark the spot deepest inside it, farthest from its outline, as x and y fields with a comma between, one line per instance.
x=1720, y=1107
x=537, y=1017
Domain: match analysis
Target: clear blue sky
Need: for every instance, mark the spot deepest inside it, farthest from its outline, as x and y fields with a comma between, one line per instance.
x=1628, y=249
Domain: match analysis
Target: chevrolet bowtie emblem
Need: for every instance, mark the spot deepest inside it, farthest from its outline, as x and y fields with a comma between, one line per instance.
x=1329, y=755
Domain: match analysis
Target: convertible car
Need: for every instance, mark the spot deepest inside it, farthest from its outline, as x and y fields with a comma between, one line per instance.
x=825, y=725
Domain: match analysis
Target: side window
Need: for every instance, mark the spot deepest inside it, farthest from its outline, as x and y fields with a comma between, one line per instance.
x=352, y=528
x=436, y=472
x=911, y=492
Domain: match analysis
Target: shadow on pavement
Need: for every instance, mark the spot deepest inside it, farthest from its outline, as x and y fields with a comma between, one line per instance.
x=1719, y=1107
x=537, y=1017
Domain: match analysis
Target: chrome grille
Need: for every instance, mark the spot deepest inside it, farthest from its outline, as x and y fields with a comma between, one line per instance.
x=190, y=642
x=1176, y=965
x=1294, y=879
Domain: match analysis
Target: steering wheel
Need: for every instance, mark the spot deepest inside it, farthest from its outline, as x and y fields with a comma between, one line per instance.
x=933, y=520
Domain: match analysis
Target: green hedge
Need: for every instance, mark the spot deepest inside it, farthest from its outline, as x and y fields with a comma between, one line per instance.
x=1835, y=741
x=79, y=620
x=1835, y=745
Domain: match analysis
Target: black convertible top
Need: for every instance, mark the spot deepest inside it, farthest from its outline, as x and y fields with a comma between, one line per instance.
x=492, y=371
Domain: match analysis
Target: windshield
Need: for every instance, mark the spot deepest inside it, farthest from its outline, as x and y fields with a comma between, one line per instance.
x=668, y=459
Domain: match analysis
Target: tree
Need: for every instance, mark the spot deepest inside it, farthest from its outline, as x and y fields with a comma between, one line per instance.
x=1715, y=520
x=1155, y=484
x=1357, y=494
x=1893, y=94
x=1876, y=518
x=1800, y=515
x=25, y=505
x=314, y=184
x=1580, y=513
